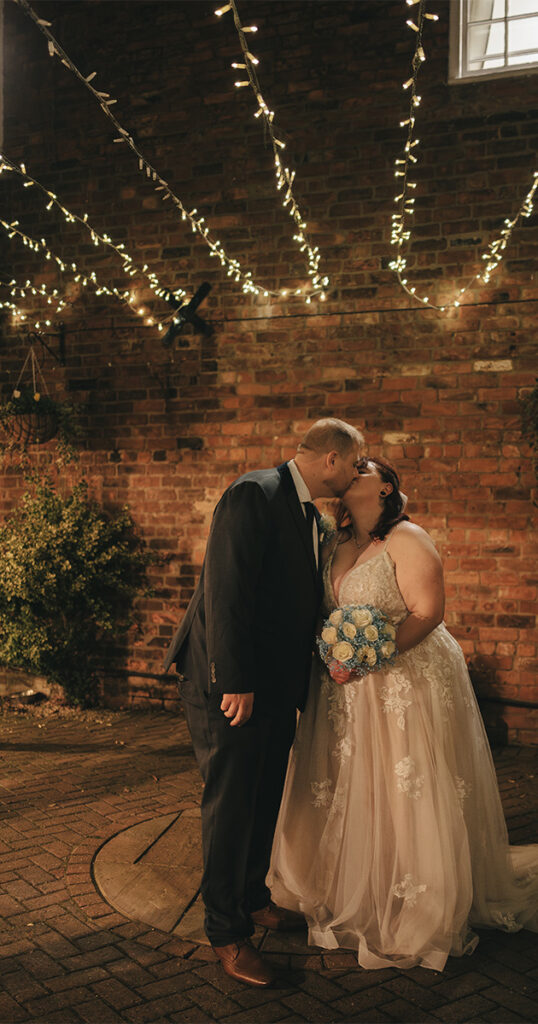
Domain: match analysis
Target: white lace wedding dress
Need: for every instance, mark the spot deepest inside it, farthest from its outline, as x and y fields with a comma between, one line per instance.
x=391, y=837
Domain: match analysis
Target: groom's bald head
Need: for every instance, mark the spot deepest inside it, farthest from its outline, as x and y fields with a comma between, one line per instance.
x=329, y=435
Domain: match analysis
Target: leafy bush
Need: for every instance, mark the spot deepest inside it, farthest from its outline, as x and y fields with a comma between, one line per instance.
x=69, y=573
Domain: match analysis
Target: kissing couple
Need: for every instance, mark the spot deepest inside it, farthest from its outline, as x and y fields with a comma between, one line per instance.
x=382, y=831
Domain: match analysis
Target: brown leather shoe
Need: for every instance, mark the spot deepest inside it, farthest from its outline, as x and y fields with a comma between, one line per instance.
x=241, y=961
x=278, y=919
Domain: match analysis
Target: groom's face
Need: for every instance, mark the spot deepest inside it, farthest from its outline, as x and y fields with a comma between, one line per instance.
x=342, y=470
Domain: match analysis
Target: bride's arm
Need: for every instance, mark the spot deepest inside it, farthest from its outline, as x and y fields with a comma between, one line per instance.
x=419, y=574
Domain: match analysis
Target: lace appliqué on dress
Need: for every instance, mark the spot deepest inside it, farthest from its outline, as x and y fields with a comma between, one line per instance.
x=322, y=793
x=393, y=700
x=340, y=701
x=408, y=891
x=408, y=781
x=463, y=789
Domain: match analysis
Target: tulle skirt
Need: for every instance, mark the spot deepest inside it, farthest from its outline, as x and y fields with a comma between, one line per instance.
x=391, y=837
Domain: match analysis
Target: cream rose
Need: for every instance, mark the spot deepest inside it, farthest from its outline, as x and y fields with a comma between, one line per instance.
x=336, y=616
x=389, y=630
x=388, y=648
x=361, y=617
x=343, y=651
x=329, y=635
x=371, y=633
x=349, y=630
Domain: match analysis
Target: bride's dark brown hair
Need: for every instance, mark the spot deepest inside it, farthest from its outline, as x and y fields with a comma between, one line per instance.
x=392, y=512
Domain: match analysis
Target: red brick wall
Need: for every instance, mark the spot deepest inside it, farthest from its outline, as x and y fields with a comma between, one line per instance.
x=437, y=393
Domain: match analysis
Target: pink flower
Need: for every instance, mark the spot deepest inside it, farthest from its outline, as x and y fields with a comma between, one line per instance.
x=338, y=672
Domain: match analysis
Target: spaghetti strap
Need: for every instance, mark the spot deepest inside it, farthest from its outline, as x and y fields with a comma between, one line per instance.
x=389, y=536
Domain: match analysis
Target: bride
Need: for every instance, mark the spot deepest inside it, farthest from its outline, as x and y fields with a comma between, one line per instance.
x=391, y=838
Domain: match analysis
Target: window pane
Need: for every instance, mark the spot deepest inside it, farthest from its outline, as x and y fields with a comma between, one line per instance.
x=485, y=40
x=482, y=10
x=523, y=34
x=523, y=58
x=522, y=7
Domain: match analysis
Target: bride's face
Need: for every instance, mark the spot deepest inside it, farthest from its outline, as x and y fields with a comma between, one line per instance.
x=367, y=487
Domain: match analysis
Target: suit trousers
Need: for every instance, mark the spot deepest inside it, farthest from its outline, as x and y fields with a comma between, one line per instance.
x=243, y=768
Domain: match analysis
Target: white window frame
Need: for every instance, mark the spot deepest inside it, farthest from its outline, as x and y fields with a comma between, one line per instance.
x=457, y=71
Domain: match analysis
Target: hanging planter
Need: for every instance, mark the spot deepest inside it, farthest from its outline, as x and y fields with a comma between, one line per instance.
x=31, y=416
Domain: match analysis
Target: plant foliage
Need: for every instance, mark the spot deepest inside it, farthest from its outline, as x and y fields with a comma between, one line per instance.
x=69, y=576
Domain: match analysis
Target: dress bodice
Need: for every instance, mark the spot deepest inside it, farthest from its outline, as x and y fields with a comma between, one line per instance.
x=372, y=582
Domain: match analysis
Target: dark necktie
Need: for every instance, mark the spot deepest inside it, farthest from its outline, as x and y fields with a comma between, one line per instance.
x=309, y=511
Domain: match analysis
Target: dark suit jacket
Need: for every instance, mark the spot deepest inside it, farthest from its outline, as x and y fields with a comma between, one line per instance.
x=251, y=622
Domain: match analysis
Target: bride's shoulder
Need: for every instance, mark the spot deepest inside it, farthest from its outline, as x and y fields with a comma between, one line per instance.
x=408, y=537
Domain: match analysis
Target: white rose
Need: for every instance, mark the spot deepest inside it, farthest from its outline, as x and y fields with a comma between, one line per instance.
x=336, y=616
x=387, y=649
x=371, y=633
x=329, y=635
x=348, y=629
x=361, y=617
x=343, y=651
x=389, y=630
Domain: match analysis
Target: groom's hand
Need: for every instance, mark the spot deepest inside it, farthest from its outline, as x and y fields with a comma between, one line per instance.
x=237, y=706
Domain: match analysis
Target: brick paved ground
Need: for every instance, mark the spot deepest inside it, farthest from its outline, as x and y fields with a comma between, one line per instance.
x=68, y=783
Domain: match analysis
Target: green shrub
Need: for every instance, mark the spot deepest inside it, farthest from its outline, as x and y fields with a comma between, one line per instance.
x=69, y=573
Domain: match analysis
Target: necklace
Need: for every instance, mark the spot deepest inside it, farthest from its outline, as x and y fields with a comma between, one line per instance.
x=360, y=547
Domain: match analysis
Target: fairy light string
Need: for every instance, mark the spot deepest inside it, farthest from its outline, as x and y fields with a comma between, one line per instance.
x=284, y=176
x=401, y=235
x=198, y=224
x=129, y=266
x=86, y=280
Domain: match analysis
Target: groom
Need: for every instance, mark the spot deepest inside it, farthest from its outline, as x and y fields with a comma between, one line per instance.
x=243, y=654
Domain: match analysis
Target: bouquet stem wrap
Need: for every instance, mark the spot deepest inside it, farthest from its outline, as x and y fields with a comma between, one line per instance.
x=356, y=639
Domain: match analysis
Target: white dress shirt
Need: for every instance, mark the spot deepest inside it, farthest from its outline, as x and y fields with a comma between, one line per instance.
x=304, y=495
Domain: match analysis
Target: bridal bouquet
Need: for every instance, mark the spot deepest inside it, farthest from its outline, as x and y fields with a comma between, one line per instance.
x=356, y=639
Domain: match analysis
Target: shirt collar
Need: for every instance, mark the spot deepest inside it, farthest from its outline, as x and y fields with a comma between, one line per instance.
x=300, y=486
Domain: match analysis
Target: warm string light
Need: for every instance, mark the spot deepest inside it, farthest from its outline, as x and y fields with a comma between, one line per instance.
x=198, y=225
x=85, y=280
x=52, y=297
x=401, y=232
x=284, y=176
x=129, y=266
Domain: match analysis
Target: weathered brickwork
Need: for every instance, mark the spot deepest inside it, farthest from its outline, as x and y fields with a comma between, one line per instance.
x=438, y=393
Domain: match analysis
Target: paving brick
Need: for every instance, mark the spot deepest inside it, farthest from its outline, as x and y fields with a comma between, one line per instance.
x=401, y=1010
x=95, y=1011
x=310, y=1008
x=130, y=973
x=10, y=1010
x=412, y=992
x=57, y=1001
x=162, y=1008
x=9, y=906
x=261, y=1014
x=68, y=1015
x=86, y=977
x=516, y=1001
x=22, y=986
x=167, y=986
x=464, y=985
x=212, y=1001
x=466, y=1009
x=363, y=1001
